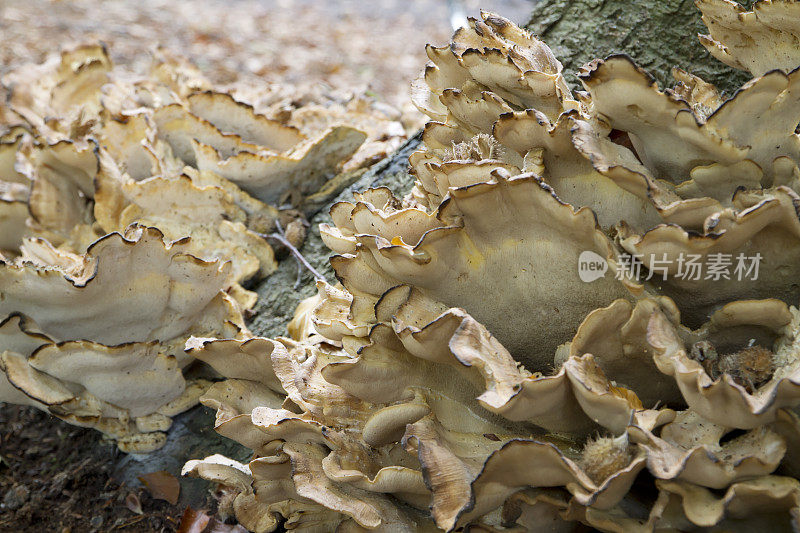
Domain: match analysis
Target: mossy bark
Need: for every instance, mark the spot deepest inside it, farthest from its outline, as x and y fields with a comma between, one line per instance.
x=657, y=34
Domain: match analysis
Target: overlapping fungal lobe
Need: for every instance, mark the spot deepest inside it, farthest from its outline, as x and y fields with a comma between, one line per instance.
x=61, y=192
x=701, y=151
x=153, y=273
x=756, y=40
x=737, y=370
x=554, y=152
x=154, y=126
x=178, y=207
x=528, y=138
x=228, y=115
x=490, y=67
x=61, y=96
x=616, y=339
x=689, y=450
x=301, y=466
x=520, y=131
x=277, y=497
x=627, y=98
x=647, y=201
x=251, y=384
x=729, y=192
x=266, y=158
x=753, y=246
x=20, y=338
x=479, y=367
x=46, y=190
x=599, y=477
x=463, y=371
x=448, y=448
x=131, y=141
x=98, y=154
x=449, y=156
x=123, y=147
x=431, y=410
x=384, y=133
x=270, y=177
x=101, y=344
x=765, y=502
x=236, y=480
x=464, y=261
x=526, y=142
x=220, y=218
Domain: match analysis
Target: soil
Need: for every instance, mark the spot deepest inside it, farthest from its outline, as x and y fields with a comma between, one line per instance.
x=58, y=478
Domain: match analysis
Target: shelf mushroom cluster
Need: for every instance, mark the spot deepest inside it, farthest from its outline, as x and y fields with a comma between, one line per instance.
x=465, y=374
x=132, y=210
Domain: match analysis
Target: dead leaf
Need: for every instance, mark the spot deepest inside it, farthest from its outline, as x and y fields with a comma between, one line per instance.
x=162, y=485
x=193, y=521
x=133, y=504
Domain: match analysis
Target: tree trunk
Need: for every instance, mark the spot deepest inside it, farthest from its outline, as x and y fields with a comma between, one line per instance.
x=657, y=34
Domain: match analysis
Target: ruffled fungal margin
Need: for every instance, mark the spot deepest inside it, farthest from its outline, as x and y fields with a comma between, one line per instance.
x=460, y=256
x=453, y=428
x=170, y=124
x=101, y=344
x=490, y=361
x=264, y=157
x=133, y=209
x=758, y=40
x=769, y=501
x=178, y=208
x=729, y=191
x=491, y=66
x=704, y=151
x=624, y=166
x=740, y=368
x=689, y=450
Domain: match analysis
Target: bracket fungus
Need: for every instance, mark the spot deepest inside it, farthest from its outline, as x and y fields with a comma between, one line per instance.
x=504, y=351
x=80, y=158
x=758, y=40
x=133, y=209
x=80, y=342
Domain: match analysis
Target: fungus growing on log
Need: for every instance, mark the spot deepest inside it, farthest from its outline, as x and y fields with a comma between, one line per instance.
x=504, y=346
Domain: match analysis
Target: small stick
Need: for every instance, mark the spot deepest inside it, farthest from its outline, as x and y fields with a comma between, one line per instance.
x=302, y=261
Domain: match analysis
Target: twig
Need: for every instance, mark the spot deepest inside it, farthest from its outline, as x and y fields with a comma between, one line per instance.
x=302, y=261
x=131, y=522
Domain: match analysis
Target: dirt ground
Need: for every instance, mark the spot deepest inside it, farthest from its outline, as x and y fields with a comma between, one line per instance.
x=58, y=478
